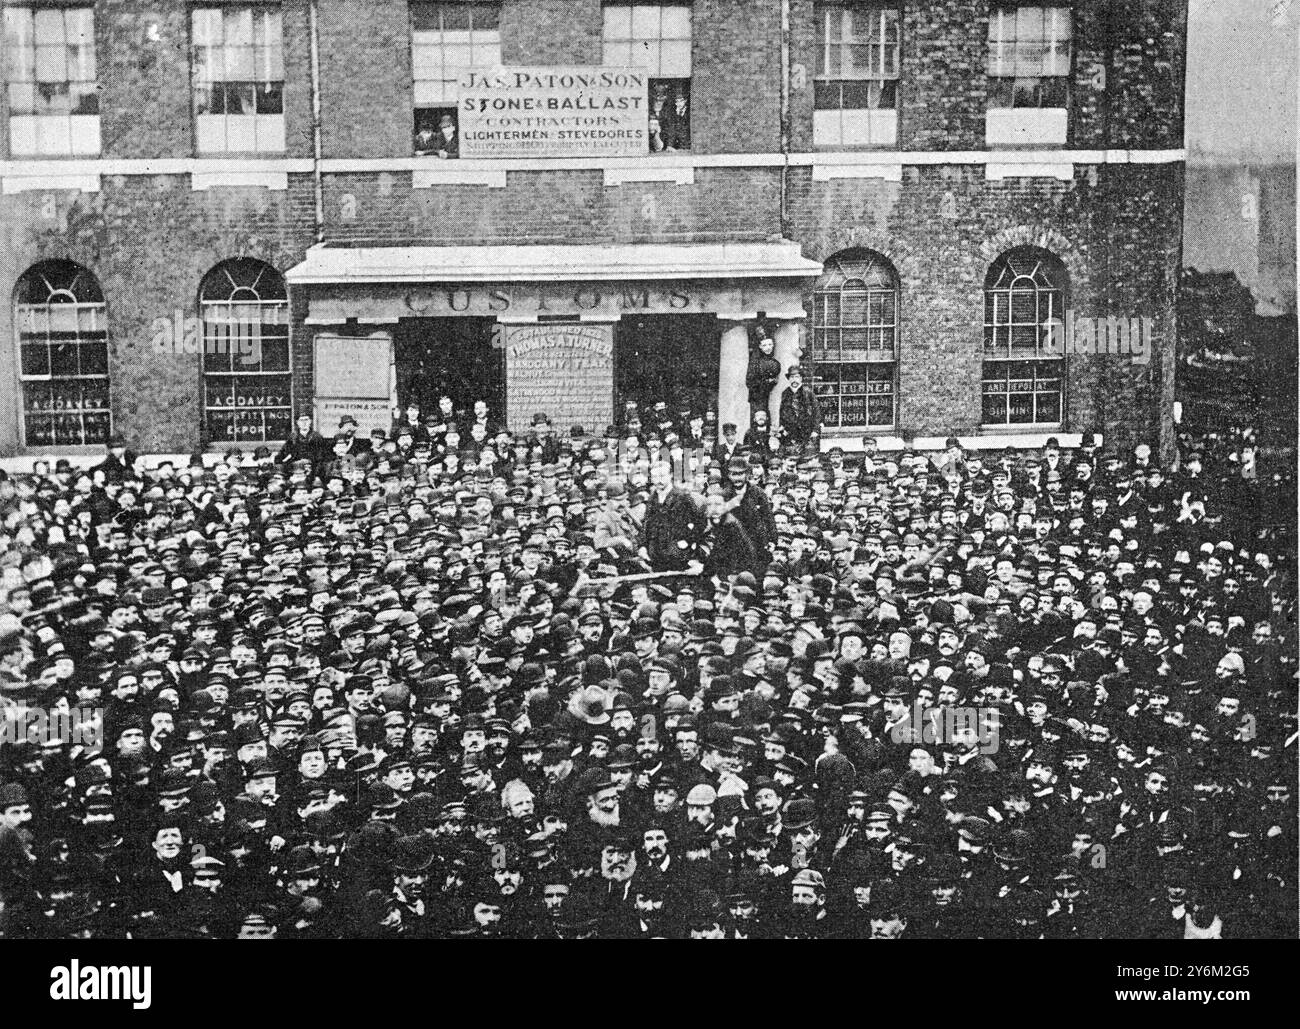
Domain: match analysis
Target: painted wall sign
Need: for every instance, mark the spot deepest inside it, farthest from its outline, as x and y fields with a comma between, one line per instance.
x=553, y=112
x=386, y=303
x=564, y=370
x=352, y=366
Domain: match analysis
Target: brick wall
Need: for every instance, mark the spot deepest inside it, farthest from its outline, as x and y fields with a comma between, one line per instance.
x=367, y=100
x=144, y=68
x=150, y=239
x=941, y=89
x=942, y=226
x=736, y=77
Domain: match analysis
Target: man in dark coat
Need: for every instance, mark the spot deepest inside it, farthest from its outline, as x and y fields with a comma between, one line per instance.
x=729, y=547
x=306, y=444
x=753, y=509
x=764, y=370
x=801, y=416
x=673, y=524
x=117, y=465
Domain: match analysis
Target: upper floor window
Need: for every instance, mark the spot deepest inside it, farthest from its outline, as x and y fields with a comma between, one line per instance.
x=1025, y=294
x=447, y=39
x=853, y=336
x=51, y=75
x=657, y=39
x=247, y=380
x=1028, y=74
x=63, y=355
x=855, y=89
x=238, y=79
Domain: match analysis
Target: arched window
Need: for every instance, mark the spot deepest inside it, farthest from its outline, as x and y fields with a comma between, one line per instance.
x=854, y=340
x=1026, y=291
x=247, y=385
x=63, y=355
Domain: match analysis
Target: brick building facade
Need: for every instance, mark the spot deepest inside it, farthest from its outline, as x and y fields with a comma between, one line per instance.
x=901, y=192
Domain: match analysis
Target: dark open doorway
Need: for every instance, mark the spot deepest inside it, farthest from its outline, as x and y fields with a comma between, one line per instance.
x=673, y=358
x=455, y=356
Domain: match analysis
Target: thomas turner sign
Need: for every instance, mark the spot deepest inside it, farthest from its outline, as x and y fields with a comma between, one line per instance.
x=563, y=369
x=553, y=112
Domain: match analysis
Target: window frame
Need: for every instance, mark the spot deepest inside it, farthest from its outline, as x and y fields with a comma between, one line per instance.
x=1048, y=281
x=656, y=76
x=430, y=114
x=60, y=280
x=238, y=90
x=879, y=84
x=856, y=270
x=1048, y=40
x=248, y=268
x=24, y=76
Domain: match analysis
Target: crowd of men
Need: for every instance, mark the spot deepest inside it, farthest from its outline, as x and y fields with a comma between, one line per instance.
x=452, y=681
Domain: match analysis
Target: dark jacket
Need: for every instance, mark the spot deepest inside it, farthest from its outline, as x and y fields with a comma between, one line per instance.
x=297, y=447
x=754, y=513
x=801, y=415
x=674, y=520
x=730, y=550
x=761, y=378
x=116, y=471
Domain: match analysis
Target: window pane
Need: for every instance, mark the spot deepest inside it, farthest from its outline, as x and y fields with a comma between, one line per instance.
x=645, y=21
x=51, y=64
x=618, y=55
x=18, y=28
x=270, y=99
x=677, y=23
x=22, y=98
x=53, y=135
x=675, y=60
x=456, y=57
x=237, y=26
x=49, y=26
x=241, y=98
x=85, y=98
x=206, y=26
x=1029, y=24
x=485, y=55
x=270, y=134
x=239, y=64
x=645, y=54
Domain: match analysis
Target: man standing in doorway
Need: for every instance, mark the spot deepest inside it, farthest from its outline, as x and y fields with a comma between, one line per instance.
x=801, y=416
x=764, y=370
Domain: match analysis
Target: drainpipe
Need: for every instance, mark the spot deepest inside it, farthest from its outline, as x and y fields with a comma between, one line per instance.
x=315, y=122
x=785, y=108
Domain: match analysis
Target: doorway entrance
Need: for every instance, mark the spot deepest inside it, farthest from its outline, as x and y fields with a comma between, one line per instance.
x=671, y=357
x=455, y=356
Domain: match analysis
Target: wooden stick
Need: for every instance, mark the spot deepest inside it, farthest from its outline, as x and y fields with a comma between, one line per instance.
x=639, y=577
